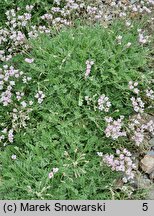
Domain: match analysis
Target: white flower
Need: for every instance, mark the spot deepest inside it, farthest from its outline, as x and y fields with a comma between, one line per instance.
x=100, y=154
x=40, y=100
x=24, y=104
x=12, y=83
x=128, y=23
x=40, y=96
x=14, y=157
x=55, y=170
x=30, y=103
x=124, y=180
x=128, y=44
x=118, y=151
x=28, y=60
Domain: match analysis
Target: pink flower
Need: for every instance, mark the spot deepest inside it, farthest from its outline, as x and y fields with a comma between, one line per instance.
x=121, y=163
x=143, y=39
x=104, y=103
x=138, y=104
x=114, y=127
x=88, y=69
x=138, y=137
x=150, y=94
x=28, y=60
x=118, y=151
x=51, y=175
x=14, y=157
x=10, y=136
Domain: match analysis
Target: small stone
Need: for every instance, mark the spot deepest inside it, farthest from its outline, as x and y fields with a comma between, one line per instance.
x=151, y=142
x=144, y=183
x=140, y=181
x=151, y=153
x=152, y=175
x=134, y=184
x=150, y=195
x=147, y=164
x=119, y=183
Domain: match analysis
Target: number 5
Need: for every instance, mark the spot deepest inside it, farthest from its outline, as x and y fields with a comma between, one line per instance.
x=145, y=207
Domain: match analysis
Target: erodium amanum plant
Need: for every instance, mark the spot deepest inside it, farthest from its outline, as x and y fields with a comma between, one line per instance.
x=74, y=82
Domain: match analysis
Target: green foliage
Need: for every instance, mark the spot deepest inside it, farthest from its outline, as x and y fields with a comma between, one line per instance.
x=64, y=131
x=40, y=7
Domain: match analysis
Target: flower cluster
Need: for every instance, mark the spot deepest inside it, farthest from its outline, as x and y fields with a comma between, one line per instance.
x=149, y=126
x=138, y=136
x=13, y=97
x=150, y=94
x=63, y=15
x=40, y=96
x=119, y=39
x=18, y=28
x=92, y=101
x=138, y=104
x=36, y=30
x=133, y=86
x=122, y=162
x=52, y=173
x=138, y=128
x=65, y=12
x=13, y=38
x=142, y=38
x=8, y=77
x=114, y=128
x=26, y=79
x=10, y=136
x=20, y=117
x=104, y=103
x=88, y=99
x=89, y=64
x=14, y=33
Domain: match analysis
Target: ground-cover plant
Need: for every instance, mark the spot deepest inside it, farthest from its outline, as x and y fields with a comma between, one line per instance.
x=72, y=90
x=28, y=19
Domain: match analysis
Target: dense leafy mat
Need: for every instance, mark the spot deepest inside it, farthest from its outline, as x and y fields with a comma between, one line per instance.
x=56, y=129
